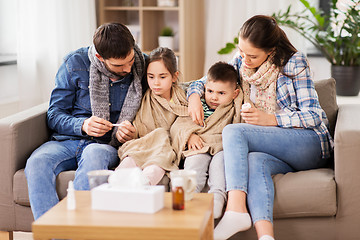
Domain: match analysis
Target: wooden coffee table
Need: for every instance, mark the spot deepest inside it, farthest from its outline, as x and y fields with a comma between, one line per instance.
x=195, y=222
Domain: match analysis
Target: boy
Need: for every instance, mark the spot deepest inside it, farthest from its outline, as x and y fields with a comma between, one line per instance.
x=202, y=146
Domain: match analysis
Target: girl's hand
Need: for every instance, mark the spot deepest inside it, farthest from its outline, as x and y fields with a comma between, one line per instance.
x=195, y=109
x=195, y=142
x=96, y=127
x=257, y=117
x=126, y=131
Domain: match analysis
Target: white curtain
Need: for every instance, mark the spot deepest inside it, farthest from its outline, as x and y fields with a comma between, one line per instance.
x=224, y=19
x=47, y=31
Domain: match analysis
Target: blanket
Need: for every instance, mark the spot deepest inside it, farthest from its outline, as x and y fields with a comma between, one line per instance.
x=183, y=127
x=152, y=123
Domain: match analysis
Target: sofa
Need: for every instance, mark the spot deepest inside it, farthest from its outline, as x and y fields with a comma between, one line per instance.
x=316, y=204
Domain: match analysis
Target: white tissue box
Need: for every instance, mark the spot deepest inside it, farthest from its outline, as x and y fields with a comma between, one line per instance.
x=148, y=199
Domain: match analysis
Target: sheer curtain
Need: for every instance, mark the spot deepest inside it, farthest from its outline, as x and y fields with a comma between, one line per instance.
x=47, y=31
x=224, y=19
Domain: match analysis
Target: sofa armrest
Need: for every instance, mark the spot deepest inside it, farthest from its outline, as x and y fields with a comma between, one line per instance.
x=347, y=170
x=20, y=135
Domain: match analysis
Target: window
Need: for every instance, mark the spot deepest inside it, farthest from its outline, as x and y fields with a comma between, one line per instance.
x=8, y=29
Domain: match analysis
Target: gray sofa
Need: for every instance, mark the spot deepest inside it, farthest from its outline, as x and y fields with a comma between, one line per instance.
x=316, y=204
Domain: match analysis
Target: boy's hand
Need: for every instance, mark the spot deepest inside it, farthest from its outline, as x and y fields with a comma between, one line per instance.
x=195, y=109
x=96, y=127
x=257, y=117
x=195, y=142
x=126, y=131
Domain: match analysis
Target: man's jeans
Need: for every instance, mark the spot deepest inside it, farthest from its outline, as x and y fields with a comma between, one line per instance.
x=252, y=154
x=53, y=157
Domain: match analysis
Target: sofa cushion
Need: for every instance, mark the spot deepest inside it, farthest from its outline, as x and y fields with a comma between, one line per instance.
x=20, y=189
x=309, y=193
x=326, y=91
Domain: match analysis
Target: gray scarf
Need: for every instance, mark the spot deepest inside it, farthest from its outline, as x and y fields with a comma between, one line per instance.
x=99, y=89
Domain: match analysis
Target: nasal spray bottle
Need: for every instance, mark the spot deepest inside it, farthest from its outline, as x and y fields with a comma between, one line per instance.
x=71, y=203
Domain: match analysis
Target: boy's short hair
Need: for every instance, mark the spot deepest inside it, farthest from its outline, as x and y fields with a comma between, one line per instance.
x=113, y=40
x=224, y=72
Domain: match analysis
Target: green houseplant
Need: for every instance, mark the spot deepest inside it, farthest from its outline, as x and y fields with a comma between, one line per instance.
x=336, y=35
x=167, y=31
x=166, y=37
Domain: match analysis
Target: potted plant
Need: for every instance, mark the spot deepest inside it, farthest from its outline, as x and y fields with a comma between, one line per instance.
x=336, y=35
x=166, y=37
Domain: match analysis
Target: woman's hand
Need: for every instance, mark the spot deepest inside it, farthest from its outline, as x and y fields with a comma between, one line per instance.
x=126, y=131
x=257, y=117
x=195, y=109
x=195, y=142
x=96, y=127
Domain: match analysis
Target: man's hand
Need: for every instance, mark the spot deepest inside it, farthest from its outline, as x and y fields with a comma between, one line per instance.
x=195, y=142
x=126, y=131
x=96, y=127
x=257, y=117
x=195, y=109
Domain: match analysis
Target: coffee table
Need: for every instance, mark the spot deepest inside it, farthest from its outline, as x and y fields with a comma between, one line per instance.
x=195, y=222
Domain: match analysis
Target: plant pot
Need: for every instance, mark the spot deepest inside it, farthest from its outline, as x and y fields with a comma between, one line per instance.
x=165, y=41
x=347, y=79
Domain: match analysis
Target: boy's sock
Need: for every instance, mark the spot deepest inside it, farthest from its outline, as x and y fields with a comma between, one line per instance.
x=218, y=205
x=231, y=223
x=266, y=237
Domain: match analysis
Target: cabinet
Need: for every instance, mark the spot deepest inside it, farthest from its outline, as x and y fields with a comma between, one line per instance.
x=146, y=19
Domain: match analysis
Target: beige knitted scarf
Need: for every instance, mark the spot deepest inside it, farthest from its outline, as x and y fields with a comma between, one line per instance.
x=264, y=78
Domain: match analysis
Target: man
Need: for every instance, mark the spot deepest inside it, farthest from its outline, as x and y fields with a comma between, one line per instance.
x=95, y=87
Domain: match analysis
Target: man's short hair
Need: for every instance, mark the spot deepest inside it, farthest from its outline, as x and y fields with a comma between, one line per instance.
x=223, y=72
x=113, y=40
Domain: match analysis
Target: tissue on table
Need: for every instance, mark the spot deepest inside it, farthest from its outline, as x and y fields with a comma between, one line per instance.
x=128, y=191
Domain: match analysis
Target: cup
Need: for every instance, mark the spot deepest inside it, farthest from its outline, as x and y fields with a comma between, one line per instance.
x=98, y=177
x=189, y=177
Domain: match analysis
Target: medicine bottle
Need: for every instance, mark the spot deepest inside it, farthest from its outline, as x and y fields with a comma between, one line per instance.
x=71, y=202
x=178, y=195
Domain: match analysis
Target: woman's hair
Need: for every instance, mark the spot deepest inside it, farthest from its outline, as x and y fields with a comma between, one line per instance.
x=264, y=33
x=167, y=56
x=113, y=40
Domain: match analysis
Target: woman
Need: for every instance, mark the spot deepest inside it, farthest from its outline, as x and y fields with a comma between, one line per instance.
x=286, y=130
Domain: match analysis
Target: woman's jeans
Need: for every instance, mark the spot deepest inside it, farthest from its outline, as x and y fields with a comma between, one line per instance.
x=53, y=157
x=252, y=154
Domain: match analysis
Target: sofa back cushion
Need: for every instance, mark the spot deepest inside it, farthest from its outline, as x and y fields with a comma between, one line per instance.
x=327, y=97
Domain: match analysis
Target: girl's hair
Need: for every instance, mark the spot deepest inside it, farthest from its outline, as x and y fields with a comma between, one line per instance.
x=167, y=56
x=264, y=33
x=113, y=40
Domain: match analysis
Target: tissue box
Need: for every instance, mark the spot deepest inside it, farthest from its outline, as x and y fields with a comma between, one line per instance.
x=148, y=199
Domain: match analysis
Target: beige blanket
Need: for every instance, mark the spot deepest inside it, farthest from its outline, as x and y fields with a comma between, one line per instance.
x=152, y=123
x=183, y=127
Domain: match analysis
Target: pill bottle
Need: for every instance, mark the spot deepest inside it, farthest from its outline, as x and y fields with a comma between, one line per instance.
x=178, y=195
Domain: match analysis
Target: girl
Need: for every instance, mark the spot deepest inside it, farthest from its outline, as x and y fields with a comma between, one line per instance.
x=285, y=131
x=163, y=102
